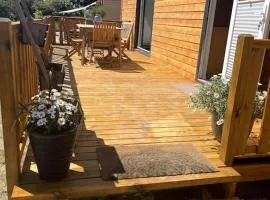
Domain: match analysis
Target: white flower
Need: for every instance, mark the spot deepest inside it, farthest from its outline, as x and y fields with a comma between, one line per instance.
x=53, y=116
x=54, y=90
x=53, y=98
x=41, y=122
x=261, y=98
x=224, y=81
x=70, y=92
x=216, y=95
x=208, y=93
x=41, y=114
x=34, y=114
x=60, y=103
x=61, y=121
x=51, y=110
x=41, y=107
x=57, y=94
x=220, y=122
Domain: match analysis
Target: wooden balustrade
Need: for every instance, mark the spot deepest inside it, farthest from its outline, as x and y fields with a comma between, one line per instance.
x=57, y=26
x=19, y=82
x=244, y=83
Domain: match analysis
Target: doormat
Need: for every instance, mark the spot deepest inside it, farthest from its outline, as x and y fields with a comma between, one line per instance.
x=126, y=162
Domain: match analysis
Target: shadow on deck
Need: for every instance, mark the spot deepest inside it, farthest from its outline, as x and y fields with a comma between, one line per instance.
x=140, y=103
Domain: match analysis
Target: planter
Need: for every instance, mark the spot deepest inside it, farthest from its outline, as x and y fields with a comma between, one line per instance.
x=53, y=153
x=39, y=33
x=217, y=130
x=58, y=72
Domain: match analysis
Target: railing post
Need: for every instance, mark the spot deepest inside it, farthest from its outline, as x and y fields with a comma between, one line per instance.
x=243, y=86
x=8, y=107
x=61, y=37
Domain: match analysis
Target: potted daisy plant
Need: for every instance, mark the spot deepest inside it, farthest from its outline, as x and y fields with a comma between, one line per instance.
x=213, y=97
x=52, y=121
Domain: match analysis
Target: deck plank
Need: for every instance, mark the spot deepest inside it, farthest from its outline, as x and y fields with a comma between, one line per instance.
x=141, y=103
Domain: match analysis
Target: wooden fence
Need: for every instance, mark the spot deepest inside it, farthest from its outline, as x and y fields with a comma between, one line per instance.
x=243, y=86
x=19, y=82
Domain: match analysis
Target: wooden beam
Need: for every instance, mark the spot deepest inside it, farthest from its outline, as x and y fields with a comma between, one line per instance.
x=243, y=86
x=8, y=107
x=263, y=147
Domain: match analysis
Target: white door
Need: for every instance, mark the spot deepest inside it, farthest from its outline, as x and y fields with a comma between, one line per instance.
x=248, y=17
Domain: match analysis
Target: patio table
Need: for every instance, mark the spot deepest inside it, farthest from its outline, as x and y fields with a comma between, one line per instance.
x=86, y=28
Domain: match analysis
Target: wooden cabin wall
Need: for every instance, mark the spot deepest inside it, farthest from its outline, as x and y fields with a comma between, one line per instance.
x=176, y=34
x=112, y=9
x=177, y=28
x=128, y=12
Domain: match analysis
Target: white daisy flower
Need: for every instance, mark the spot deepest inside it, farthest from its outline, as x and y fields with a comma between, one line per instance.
x=220, y=122
x=34, y=114
x=40, y=122
x=53, y=98
x=216, y=95
x=70, y=92
x=57, y=94
x=53, y=116
x=41, y=114
x=61, y=103
x=41, y=107
x=53, y=90
x=61, y=121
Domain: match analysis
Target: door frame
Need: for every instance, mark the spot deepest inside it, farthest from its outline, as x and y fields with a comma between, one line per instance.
x=263, y=33
x=138, y=33
x=206, y=42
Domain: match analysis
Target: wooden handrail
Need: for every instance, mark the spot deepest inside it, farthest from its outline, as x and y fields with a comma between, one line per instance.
x=243, y=86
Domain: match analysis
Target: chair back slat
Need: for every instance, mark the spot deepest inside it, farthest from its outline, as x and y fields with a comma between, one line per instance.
x=71, y=29
x=104, y=32
x=127, y=28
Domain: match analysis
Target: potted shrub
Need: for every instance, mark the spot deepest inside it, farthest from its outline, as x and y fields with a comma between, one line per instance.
x=53, y=118
x=213, y=97
x=94, y=14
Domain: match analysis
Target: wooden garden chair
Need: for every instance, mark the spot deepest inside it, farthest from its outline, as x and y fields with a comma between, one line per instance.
x=72, y=35
x=103, y=38
x=125, y=36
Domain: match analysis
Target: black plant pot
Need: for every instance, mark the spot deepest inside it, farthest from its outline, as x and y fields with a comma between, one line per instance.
x=217, y=130
x=53, y=153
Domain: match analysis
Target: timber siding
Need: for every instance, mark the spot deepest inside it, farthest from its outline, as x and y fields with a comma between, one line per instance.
x=177, y=28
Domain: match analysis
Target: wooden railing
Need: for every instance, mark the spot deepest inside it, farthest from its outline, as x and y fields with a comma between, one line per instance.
x=18, y=83
x=57, y=25
x=243, y=86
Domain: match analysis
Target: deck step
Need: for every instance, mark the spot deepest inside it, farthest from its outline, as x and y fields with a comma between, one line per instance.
x=97, y=187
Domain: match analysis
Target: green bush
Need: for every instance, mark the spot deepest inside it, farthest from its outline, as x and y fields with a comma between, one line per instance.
x=38, y=14
x=95, y=11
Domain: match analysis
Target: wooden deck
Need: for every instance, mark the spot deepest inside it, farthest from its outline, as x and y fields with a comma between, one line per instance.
x=140, y=103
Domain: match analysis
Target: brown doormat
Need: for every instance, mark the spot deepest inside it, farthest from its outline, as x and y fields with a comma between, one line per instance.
x=124, y=162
